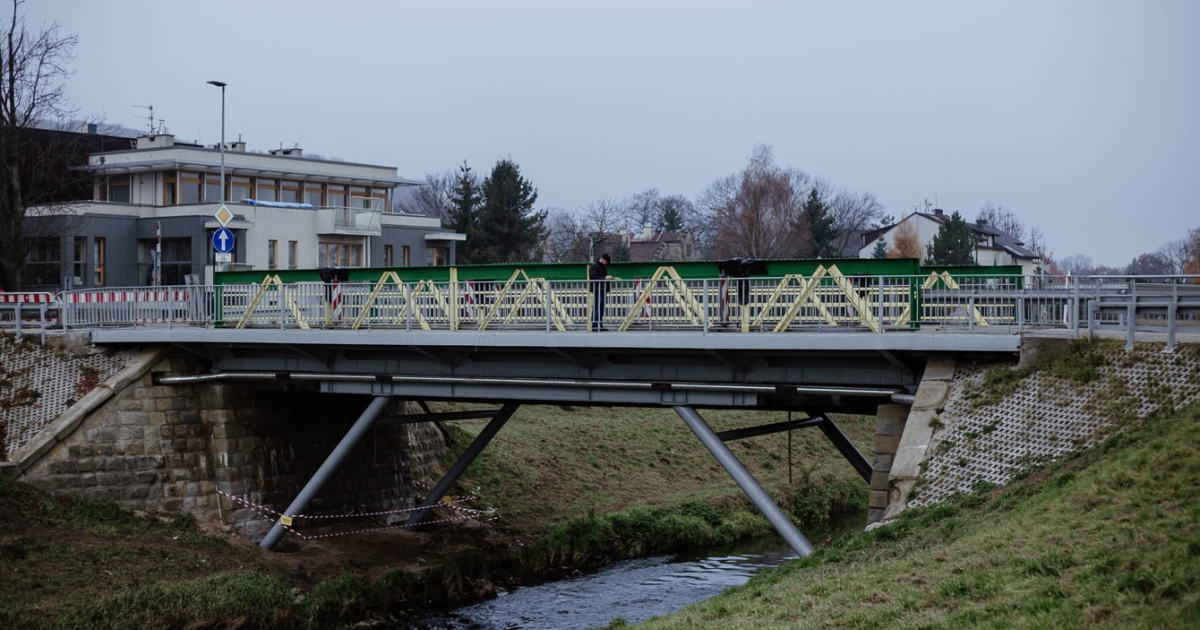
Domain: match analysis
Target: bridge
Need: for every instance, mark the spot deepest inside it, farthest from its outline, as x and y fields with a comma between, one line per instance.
x=816, y=344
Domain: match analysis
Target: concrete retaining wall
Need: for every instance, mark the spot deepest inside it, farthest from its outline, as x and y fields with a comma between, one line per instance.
x=156, y=447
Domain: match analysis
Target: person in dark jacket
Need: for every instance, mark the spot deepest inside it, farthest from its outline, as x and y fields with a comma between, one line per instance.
x=598, y=277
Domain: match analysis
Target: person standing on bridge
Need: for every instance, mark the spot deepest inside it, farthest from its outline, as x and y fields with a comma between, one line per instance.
x=598, y=277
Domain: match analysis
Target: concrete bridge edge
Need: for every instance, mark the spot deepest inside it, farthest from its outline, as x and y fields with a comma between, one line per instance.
x=66, y=424
x=902, y=437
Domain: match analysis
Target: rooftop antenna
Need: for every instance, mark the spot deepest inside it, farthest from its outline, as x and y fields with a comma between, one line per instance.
x=150, y=117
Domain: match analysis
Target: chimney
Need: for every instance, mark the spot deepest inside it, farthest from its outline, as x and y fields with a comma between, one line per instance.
x=938, y=211
x=157, y=141
x=239, y=146
x=647, y=232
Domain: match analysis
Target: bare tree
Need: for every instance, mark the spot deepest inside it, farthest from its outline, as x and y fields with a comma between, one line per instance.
x=430, y=200
x=602, y=215
x=32, y=75
x=718, y=195
x=640, y=210
x=1150, y=264
x=1002, y=219
x=1077, y=265
x=1192, y=266
x=1178, y=253
x=1036, y=243
x=852, y=214
x=566, y=237
x=760, y=217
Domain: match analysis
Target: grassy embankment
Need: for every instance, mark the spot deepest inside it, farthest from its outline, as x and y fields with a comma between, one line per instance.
x=1109, y=538
x=574, y=489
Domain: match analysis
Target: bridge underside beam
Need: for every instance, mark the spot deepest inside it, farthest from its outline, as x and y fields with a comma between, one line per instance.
x=733, y=435
x=745, y=480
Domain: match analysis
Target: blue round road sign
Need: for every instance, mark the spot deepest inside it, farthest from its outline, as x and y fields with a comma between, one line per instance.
x=222, y=240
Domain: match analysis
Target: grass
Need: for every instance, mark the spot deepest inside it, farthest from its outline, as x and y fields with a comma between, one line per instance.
x=1108, y=539
x=1078, y=365
x=575, y=489
x=549, y=465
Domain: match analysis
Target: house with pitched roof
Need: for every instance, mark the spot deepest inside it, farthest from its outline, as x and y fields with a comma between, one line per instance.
x=650, y=244
x=992, y=245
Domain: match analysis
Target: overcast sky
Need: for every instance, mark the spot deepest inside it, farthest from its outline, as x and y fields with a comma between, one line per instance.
x=1083, y=117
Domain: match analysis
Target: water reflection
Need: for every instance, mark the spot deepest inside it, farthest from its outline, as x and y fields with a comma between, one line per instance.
x=634, y=590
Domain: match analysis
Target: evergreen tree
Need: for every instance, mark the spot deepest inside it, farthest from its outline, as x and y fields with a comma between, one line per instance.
x=820, y=225
x=880, y=251
x=954, y=244
x=671, y=219
x=510, y=230
x=464, y=211
x=620, y=253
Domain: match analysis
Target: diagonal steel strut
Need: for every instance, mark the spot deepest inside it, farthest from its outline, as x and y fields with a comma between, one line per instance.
x=464, y=460
x=846, y=447
x=730, y=462
x=332, y=463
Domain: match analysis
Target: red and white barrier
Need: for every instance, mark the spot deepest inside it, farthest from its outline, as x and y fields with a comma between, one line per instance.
x=26, y=298
x=126, y=306
x=111, y=297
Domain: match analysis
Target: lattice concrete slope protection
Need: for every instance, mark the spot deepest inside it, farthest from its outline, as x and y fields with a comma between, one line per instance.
x=38, y=384
x=1047, y=416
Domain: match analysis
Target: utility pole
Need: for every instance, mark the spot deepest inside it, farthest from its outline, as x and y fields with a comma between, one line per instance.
x=221, y=85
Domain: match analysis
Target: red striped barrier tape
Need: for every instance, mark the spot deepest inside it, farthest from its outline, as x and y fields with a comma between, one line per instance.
x=285, y=521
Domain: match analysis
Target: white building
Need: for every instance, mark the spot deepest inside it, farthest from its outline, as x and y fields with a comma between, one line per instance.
x=291, y=212
x=993, y=247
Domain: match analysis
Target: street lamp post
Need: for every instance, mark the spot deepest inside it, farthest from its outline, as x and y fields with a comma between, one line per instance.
x=222, y=86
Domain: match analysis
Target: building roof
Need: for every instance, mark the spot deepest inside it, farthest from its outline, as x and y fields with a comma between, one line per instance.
x=644, y=250
x=1003, y=240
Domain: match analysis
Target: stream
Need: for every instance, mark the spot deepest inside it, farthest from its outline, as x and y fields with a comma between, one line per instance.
x=634, y=590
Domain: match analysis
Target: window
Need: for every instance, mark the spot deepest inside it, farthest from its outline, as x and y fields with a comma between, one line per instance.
x=119, y=189
x=314, y=194
x=239, y=188
x=42, y=265
x=292, y=254
x=387, y=255
x=191, y=187
x=79, y=262
x=169, y=197
x=272, y=247
x=98, y=261
x=359, y=198
x=439, y=255
x=379, y=199
x=101, y=190
x=336, y=197
x=267, y=190
x=404, y=255
x=176, y=261
x=290, y=192
x=212, y=188
x=339, y=255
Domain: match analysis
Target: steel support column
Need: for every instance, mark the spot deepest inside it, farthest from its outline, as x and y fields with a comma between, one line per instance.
x=332, y=463
x=846, y=448
x=464, y=460
x=730, y=462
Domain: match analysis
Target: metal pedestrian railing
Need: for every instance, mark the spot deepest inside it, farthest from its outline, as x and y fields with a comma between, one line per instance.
x=823, y=301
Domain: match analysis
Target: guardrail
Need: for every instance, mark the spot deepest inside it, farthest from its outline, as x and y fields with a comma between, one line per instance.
x=823, y=301
x=13, y=307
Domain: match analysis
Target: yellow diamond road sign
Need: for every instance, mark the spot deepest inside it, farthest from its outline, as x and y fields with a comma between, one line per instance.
x=223, y=215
